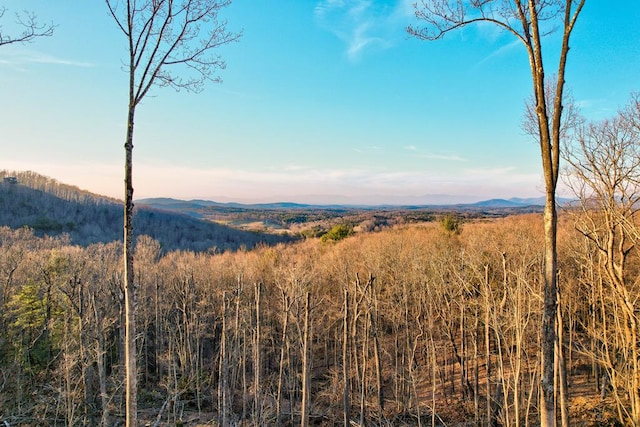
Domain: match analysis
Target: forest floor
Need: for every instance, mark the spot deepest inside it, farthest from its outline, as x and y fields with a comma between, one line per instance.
x=587, y=409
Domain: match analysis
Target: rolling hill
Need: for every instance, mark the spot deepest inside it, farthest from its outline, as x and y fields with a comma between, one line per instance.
x=52, y=208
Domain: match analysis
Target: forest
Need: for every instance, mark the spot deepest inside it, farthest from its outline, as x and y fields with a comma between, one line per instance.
x=412, y=325
x=49, y=207
x=435, y=323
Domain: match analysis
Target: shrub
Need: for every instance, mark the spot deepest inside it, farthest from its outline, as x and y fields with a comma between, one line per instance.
x=337, y=232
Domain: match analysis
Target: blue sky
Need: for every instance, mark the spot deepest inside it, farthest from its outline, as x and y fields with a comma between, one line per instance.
x=321, y=101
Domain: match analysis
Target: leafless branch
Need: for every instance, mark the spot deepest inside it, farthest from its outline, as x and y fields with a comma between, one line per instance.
x=168, y=35
x=31, y=28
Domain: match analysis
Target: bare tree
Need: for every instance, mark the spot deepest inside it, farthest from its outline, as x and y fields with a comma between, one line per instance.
x=604, y=173
x=170, y=43
x=529, y=21
x=31, y=28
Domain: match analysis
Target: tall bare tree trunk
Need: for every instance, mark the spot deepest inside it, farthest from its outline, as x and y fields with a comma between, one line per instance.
x=157, y=36
x=131, y=367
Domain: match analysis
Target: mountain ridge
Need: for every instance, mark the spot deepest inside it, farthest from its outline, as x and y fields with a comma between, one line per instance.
x=160, y=202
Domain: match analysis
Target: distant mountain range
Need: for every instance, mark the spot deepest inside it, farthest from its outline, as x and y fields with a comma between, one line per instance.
x=513, y=202
x=53, y=208
x=192, y=206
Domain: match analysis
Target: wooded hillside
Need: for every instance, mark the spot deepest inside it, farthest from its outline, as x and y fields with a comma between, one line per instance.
x=412, y=325
x=53, y=208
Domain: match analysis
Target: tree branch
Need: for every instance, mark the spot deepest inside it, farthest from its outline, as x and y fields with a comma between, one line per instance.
x=31, y=29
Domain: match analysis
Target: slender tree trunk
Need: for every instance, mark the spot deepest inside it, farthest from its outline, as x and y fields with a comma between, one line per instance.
x=465, y=386
x=499, y=399
x=68, y=367
x=434, y=370
x=237, y=361
x=518, y=365
x=562, y=372
x=547, y=411
x=85, y=361
x=283, y=348
x=158, y=330
x=304, y=417
x=223, y=368
x=257, y=360
x=244, y=375
x=131, y=368
x=345, y=358
x=376, y=348
x=100, y=360
x=399, y=376
x=476, y=358
x=487, y=344
x=365, y=361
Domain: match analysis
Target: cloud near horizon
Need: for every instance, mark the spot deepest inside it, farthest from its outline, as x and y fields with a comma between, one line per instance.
x=301, y=183
x=292, y=183
x=450, y=157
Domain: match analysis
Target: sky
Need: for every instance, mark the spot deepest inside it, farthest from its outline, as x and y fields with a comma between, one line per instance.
x=321, y=101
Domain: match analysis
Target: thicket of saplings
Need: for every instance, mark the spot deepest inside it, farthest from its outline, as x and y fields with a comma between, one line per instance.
x=413, y=325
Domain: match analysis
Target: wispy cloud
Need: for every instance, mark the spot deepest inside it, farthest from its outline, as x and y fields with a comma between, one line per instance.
x=596, y=108
x=585, y=103
x=433, y=156
x=22, y=57
x=368, y=149
x=363, y=25
x=450, y=157
x=502, y=50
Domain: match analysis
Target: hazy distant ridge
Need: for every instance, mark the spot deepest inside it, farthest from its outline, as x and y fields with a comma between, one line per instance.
x=189, y=205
